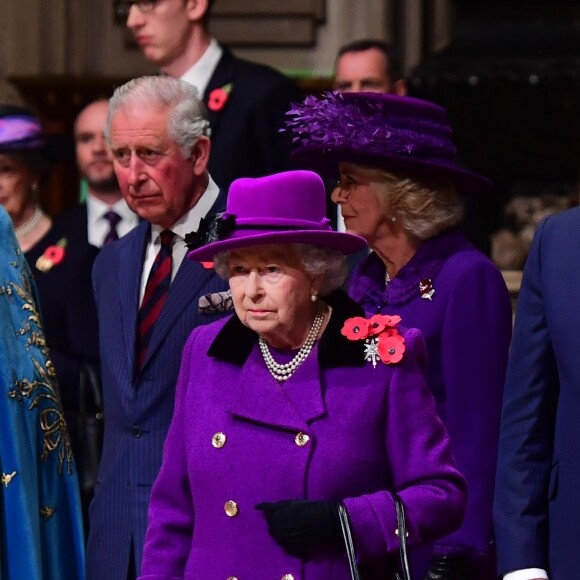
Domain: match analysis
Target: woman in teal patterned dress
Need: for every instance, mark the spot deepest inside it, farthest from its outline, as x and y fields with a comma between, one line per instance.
x=41, y=535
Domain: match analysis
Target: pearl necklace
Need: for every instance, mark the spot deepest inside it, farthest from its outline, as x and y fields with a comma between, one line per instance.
x=282, y=372
x=30, y=223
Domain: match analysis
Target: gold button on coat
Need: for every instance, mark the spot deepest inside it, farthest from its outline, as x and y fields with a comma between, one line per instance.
x=301, y=439
x=218, y=440
x=231, y=508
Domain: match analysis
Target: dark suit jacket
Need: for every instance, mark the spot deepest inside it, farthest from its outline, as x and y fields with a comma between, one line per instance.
x=67, y=303
x=138, y=405
x=246, y=141
x=538, y=477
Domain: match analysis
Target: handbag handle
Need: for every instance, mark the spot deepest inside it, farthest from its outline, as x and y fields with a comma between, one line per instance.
x=90, y=385
x=348, y=541
x=401, y=532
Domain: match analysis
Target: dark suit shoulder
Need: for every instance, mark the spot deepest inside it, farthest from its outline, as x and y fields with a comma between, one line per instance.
x=563, y=224
x=253, y=75
x=72, y=223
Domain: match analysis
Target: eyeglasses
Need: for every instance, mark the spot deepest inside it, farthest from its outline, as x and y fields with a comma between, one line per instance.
x=123, y=7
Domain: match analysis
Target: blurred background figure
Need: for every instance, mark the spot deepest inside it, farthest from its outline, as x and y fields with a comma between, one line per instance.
x=41, y=535
x=400, y=189
x=246, y=101
x=368, y=66
x=25, y=158
x=105, y=216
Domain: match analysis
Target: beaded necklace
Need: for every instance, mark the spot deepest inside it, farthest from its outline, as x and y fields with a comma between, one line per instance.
x=282, y=372
x=30, y=223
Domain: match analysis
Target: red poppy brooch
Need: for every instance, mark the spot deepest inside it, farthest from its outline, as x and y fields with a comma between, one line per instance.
x=382, y=339
x=52, y=256
x=219, y=97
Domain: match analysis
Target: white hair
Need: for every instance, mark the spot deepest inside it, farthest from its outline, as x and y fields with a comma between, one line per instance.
x=188, y=116
x=317, y=261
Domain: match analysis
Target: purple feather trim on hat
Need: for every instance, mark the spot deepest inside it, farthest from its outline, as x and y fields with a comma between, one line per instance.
x=331, y=122
x=19, y=130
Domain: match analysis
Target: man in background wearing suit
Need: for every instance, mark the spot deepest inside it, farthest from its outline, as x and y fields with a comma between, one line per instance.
x=246, y=101
x=147, y=298
x=106, y=216
x=368, y=66
x=537, y=521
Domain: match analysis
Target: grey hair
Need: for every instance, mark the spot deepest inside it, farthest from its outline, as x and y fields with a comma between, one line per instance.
x=424, y=207
x=187, y=119
x=317, y=261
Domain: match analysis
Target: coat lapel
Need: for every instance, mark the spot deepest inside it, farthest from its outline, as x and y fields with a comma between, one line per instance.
x=131, y=259
x=258, y=397
x=223, y=75
x=185, y=289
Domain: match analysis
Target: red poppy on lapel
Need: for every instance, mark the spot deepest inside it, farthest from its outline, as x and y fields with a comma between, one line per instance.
x=219, y=97
x=52, y=256
x=382, y=339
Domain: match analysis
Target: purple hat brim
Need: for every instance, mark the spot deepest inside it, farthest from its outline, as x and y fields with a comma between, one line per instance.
x=342, y=242
x=325, y=160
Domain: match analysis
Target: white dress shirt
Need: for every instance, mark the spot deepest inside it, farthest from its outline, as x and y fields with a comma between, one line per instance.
x=188, y=223
x=526, y=574
x=98, y=224
x=201, y=72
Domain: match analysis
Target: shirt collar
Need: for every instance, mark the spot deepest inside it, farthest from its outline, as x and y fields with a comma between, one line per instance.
x=190, y=221
x=200, y=73
x=96, y=209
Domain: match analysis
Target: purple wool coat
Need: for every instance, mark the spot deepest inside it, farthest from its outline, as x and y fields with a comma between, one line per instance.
x=467, y=328
x=338, y=429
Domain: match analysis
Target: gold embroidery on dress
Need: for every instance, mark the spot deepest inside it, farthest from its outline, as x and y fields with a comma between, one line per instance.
x=41, y=391
x=7, y=478
x=47, y=512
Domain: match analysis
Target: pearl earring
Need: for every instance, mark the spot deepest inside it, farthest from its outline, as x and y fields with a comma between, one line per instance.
x=314, y=297
x=394, y=219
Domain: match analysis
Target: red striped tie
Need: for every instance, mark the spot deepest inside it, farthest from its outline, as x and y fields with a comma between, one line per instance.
x=156, y=292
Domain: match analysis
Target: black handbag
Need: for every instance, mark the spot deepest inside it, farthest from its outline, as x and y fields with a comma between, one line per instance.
x=402, y=533
x=90, y=425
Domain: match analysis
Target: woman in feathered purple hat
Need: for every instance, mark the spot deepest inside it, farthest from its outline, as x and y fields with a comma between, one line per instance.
x=294, y=407
x=400, y=188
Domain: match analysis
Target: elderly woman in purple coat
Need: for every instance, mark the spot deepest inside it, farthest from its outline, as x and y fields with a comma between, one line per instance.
x=295, y=407
x=400, y=189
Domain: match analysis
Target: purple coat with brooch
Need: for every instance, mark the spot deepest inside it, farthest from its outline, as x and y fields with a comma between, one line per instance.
x=338, y=429
x=467, y=328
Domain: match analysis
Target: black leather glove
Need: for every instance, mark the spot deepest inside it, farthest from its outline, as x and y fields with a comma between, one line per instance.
x=449, y=568
x=299, y=525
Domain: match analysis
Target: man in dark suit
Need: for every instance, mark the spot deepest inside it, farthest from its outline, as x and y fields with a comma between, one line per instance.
x=538, y=476
x=147, y=298
x=105, y=216
x=246, y=101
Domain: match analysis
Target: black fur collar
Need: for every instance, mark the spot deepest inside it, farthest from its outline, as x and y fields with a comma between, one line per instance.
x=235, y=341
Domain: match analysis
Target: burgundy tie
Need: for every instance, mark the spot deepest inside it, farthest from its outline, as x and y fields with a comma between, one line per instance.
x=156, y=292
x=113, y=219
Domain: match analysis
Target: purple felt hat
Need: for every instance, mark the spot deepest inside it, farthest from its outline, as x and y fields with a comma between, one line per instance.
x=284, y=208
x=401, y=134
x=21, y=133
